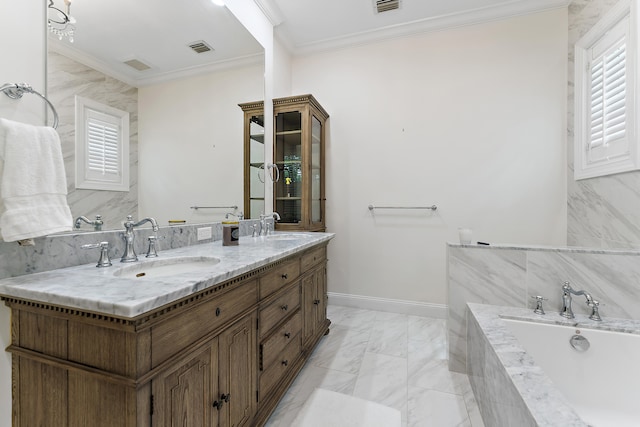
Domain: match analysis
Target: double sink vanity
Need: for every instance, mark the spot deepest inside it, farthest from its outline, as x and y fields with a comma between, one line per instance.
x=203, y=335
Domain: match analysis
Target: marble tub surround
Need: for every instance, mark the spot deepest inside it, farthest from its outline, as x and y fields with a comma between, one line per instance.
x=509, y=275
x=99, y=290
x=509, y=387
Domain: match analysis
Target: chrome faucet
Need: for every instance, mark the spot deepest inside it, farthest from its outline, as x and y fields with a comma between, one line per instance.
x=567, y=312
x=97, y=223
x=239, y=215
x=129, y=254
x=264, y=227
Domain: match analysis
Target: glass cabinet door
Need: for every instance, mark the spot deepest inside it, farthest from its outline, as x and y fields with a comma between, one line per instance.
x=316, y=170
x=288, y=158
x=256, y=167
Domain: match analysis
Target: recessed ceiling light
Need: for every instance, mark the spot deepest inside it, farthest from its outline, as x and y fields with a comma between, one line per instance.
x=218, y=2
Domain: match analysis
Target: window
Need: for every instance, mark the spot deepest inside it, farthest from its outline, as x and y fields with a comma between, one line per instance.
x=605, y=100
x=102, y=146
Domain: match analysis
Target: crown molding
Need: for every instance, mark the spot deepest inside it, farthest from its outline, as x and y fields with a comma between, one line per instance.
x=437, y=23
x=101, y=66
x=271, y=10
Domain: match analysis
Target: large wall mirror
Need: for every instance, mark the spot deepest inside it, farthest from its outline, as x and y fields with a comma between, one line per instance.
x=180, y=72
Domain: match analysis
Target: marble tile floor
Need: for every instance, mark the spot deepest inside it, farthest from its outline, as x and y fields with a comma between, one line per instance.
x=393, y=359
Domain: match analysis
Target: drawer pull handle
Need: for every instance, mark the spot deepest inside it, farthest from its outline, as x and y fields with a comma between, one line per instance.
x=218, y=311
x=285, y=362
x=287, y=335
x=316, y=301
x=285, y=276
x=223, y=398
x=285, y=307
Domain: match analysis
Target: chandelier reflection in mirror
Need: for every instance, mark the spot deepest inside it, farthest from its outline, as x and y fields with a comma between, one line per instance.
x=60, y=23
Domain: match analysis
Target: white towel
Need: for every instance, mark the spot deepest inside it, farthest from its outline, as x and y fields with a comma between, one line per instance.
x=33, y=187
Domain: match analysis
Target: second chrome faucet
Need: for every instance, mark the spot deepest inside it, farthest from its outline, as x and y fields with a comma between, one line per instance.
x=129, y=254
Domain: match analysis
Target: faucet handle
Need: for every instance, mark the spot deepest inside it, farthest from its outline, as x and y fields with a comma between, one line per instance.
x=595, y=315
x=151, y=251
x=539, y=299
x=104, y=260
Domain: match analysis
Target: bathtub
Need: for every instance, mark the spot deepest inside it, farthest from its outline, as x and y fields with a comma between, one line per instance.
x=525, y=372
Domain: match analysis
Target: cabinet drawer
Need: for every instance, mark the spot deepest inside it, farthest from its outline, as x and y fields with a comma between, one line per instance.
x=280, y=366
x=312, y=258
x=272, y=314
x=173, y=335
x=271, y=347
x=280, y=275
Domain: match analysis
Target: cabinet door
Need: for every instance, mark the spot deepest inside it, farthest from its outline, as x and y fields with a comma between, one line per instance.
x=316, y=176
x=183, y=396
x=314, y=302
x=288, y=154
x=238, y=376
x=254, y=166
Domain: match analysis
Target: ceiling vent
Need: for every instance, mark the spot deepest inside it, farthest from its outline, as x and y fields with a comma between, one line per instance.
x=387, y=5
x=200, y=47
x=137, y=64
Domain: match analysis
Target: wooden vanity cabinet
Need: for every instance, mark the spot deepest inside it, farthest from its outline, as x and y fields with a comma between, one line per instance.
x=223, y=357
x=213, y=386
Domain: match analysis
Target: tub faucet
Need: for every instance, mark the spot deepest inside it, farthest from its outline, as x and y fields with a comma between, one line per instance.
x=567, y=312
x=129, y=254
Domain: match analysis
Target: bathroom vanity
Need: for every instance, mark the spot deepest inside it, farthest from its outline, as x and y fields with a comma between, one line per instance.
x=216, y=347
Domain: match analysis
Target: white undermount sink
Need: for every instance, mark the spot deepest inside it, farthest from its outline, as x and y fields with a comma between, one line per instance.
x=165, y=267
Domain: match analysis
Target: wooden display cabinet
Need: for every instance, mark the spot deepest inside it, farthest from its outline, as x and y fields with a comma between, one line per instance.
x=299, y=155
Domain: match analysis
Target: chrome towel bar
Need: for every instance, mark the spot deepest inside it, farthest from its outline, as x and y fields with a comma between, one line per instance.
x=16, y=90
x=213, y=207
x=432, y=207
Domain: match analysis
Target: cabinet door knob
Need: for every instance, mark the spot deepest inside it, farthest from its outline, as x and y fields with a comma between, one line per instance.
x=316, y=301
x=217, y=404
x=285, y=362
x=285, y=276
x=287, y=335
x=225, y=397
x=218, y=311
x=285, y=307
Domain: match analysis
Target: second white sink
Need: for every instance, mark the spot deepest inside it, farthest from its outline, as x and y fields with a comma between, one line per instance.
x=166, y=267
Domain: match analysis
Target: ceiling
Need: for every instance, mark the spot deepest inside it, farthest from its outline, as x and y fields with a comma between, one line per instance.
x=158, y=33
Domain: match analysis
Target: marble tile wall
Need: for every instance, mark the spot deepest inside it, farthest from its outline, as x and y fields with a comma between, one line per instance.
x=64, y=250
x=510, y=276
x=602, y=212
x=65, y=79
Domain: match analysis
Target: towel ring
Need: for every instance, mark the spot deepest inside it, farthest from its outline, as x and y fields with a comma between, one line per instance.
x=16, y=90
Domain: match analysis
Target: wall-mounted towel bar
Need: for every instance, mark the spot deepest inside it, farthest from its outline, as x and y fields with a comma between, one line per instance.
x=432, y=207
x=16, y=90
x=213, y=207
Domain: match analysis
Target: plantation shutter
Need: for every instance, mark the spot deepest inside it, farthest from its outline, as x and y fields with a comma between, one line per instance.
x=607, y=124
x=104, y=148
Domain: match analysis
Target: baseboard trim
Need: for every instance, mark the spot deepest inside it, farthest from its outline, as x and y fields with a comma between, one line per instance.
x=438, y=311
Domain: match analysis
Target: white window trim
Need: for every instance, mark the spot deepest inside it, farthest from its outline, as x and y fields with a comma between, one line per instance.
x=631, y=161
x=84, y=180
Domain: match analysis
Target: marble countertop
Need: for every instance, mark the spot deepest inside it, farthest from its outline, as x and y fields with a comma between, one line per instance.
x=546, y=403
x=99, y=290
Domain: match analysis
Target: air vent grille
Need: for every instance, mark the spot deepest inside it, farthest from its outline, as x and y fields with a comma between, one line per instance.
x=387, y=5
x=137, y=64
x=200, y=47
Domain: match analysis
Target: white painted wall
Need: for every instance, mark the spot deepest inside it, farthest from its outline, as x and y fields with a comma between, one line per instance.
x=23, y=61
x=191, y=144
x=471, y=119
